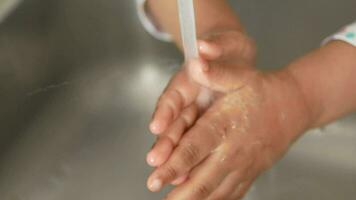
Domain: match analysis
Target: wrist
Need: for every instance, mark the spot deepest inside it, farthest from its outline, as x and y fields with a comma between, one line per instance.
x=325, y=77
x=294, y=115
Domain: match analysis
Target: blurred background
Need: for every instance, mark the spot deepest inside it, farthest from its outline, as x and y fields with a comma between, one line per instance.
x=79, y=80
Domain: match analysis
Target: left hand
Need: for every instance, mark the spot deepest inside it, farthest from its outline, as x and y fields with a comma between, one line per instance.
x=248, y=128
x=177, y=108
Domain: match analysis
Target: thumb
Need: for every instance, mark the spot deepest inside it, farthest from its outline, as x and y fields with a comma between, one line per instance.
x=227, y=45
x=210, y=50
x=218, y=76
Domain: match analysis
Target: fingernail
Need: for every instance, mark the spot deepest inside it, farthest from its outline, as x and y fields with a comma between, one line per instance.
x=155, y=185
x=209, y=49
x=151, y=159
x=203, y=46
x=154, y=128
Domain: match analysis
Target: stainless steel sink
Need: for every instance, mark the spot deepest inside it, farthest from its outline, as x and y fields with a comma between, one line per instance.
x=78, y=82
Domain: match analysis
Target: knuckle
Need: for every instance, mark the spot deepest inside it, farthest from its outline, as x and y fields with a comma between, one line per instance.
x=179, y=95
x=170, y=172
x=202, y=190
x=169, y=94
x=173, y=107
x=185, y=120
x=190, y=154
x=189, y=116
x=169, y=100
x=216, y=129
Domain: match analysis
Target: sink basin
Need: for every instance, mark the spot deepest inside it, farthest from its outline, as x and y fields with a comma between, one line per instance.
x=79, y=80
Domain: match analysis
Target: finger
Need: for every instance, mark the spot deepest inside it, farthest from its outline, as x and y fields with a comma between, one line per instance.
x=170, y=138
x=241, y=190
x=194, y=147
x=180, y=93
x=228, y=45
x=209, y=50
x=240, y=161
x=227, y=187
x=219, y=76
x=160, y=152
x=203, y=181
x=180, y=180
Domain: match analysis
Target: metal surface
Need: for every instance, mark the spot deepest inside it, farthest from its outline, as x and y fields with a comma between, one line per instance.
x=78, y=82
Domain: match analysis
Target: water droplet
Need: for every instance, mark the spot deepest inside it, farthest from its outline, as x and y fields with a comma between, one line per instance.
x=223, y=159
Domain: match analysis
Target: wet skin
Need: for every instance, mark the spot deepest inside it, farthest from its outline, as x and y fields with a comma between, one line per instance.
x=226, y=143
x=242, y=133
x=215, y=150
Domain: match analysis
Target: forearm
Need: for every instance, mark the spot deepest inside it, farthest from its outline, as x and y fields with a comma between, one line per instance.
x=327, y=79
x=211, y=16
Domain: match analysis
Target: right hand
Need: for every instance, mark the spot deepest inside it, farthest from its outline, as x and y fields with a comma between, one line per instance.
x=177, y=108
x=249, y=127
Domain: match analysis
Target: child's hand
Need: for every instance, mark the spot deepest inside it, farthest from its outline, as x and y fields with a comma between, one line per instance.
x=176, y=109
x=247, y=128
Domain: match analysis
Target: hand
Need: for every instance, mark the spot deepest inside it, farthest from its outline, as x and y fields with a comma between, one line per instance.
x=177, y=108
x=246, y=129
